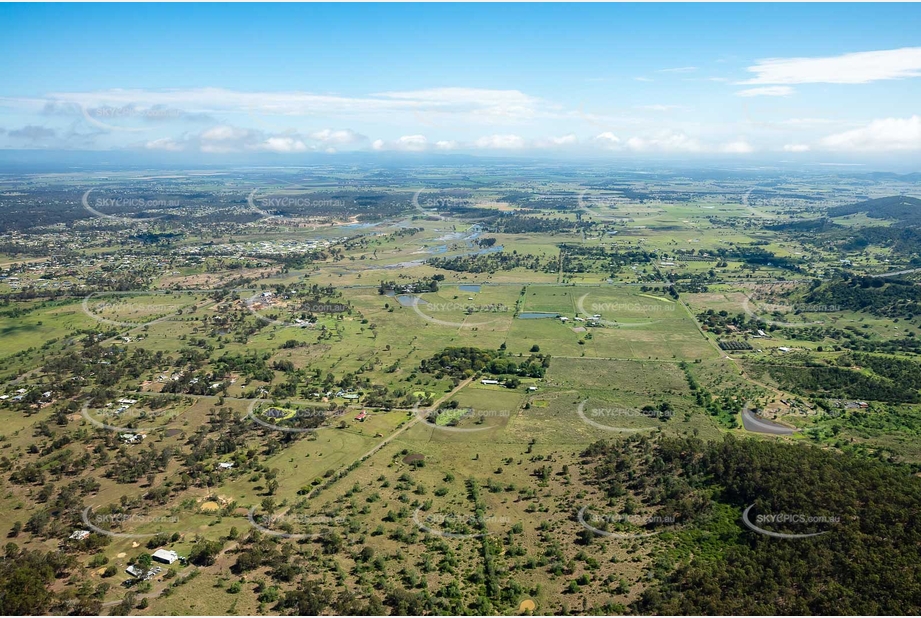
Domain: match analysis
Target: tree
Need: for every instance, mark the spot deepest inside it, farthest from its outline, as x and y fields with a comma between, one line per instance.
x=205, y=552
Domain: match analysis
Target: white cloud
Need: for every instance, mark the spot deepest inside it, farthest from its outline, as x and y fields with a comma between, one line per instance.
x=766, y=91
x=341, y=137
x=412, y=142
x=665, y=142
x=659, y=107
x=500, y=142
x=446, y=145
x=227, y=138
x=552, y=142
x=164, y=143
x=737, y=147
x=607, y=140
x=222, y=139
x=33, y=133
x=796, y=148
x=880, y=135
x=223, y=133
x=642, y=79
x=806, y=122
x=406, y=143
x=470, y=104
x=283, y=144
x=483, y=104
x=854, y=68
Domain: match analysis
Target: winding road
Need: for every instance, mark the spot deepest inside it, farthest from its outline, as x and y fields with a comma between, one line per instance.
x=753, y=422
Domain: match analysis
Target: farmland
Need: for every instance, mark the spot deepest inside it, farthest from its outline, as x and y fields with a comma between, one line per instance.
x=410, y=399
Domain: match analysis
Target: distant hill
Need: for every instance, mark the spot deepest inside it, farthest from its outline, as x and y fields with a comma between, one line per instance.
x=900, y=208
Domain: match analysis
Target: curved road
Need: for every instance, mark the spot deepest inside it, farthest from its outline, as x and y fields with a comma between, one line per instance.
x=755, y=423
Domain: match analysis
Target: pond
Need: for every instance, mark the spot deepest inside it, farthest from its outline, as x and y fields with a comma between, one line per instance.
x=535, y=315
x=408, y=300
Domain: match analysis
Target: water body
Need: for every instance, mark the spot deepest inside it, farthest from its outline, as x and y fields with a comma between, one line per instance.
x=408, y=300
x=469, y=288
x=536, y=315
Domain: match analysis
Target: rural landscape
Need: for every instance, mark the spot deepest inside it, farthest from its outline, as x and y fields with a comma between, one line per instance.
x=460, y=389
x=460, y=309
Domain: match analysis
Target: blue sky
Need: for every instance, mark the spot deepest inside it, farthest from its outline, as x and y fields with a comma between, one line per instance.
x=836, y=81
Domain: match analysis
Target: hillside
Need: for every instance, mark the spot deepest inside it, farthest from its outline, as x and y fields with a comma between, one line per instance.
x=901, y=208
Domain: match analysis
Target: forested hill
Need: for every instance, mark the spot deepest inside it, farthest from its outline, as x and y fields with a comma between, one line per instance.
x=905, y=210
x=867, y=562
x=883, y=296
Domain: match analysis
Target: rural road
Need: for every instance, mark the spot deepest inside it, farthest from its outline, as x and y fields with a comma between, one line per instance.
x=755, y=423
x=391, y=437
x=897, y=272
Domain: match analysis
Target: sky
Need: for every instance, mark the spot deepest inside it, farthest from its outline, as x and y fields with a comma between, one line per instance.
x=785, y=82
